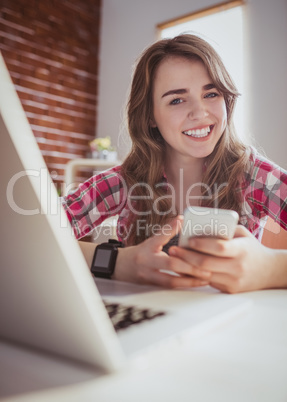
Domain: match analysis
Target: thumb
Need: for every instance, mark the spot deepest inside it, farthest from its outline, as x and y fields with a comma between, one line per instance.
x=168, y=231
x=241, y=231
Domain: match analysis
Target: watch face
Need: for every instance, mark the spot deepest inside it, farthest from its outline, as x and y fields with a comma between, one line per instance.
x=102, y=259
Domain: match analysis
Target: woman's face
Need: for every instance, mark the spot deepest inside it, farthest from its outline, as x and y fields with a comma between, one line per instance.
x=188, y=110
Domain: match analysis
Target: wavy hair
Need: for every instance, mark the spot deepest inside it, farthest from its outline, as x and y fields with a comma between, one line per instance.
x=145, y=162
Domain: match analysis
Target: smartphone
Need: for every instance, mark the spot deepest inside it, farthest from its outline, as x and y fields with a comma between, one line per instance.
x=208, y=222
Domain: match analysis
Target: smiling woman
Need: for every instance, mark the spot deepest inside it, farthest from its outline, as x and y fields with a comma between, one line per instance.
x=186, y=88
x=185, y=153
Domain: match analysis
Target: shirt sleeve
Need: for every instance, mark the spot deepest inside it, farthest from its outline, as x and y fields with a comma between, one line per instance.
x=98, y=198
x=268, y=190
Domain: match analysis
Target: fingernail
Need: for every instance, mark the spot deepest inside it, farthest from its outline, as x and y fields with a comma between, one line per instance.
x=172, y=251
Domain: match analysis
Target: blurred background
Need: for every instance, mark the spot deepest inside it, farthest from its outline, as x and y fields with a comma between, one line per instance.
x=72, y=61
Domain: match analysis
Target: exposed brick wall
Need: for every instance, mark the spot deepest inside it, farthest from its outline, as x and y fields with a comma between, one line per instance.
x=51, y=49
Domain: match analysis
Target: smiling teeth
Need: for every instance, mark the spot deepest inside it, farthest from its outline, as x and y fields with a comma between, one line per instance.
x=198, y=132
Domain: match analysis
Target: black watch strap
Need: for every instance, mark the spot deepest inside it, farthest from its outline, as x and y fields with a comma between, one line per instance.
x=104, y=259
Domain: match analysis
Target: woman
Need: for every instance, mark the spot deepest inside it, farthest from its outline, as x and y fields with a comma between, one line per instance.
x=185, y=152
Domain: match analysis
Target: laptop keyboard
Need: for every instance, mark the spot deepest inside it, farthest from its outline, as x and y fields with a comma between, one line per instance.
x=124, y=316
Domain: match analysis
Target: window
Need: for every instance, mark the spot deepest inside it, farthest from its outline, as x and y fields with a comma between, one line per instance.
x=222, y=27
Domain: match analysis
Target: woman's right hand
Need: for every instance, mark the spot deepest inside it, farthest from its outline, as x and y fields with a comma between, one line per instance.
x=145, y=263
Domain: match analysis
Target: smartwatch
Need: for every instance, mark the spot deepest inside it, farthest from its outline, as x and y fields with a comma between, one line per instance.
x=104, y=259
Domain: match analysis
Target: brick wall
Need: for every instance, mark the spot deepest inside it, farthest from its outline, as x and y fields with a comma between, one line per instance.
x=51, y=49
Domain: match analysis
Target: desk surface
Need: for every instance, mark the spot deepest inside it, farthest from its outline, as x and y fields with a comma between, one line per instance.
x=243, y=360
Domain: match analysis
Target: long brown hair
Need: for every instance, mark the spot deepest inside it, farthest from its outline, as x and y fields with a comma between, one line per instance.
x=144, y=164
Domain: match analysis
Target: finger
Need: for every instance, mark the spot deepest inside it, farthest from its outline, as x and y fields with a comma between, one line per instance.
x=183, y=264
x=241, y=231
x=225, y=283
x=202, y=262
x=166, y=263
x=163, y=236
x=212, y=246
x=220, y=247
x=165, y=280
x=215, y=247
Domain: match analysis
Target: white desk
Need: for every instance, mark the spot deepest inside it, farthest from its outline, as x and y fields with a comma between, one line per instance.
x=244, y=360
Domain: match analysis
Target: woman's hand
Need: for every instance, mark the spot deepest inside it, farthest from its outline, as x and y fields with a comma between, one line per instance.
x=232, y=266
x=146, y=262
x=237, y=265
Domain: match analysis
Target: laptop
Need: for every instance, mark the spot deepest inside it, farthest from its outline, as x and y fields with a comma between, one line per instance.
x=49, y=299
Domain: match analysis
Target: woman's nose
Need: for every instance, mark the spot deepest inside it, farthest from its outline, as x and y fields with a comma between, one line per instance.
x=197, y=111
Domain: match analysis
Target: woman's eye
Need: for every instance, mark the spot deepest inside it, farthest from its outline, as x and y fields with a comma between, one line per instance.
x=176, y=101
x=211, y=95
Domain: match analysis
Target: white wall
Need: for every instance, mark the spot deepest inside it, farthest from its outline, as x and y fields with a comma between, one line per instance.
x=128, y=26
x=266, y=36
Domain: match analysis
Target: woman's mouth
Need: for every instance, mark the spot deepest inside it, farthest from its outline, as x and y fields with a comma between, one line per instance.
x=199, y=132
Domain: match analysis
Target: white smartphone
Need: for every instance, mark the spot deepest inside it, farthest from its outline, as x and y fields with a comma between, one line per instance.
x=208, y=222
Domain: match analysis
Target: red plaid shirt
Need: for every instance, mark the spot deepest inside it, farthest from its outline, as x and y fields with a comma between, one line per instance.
x=105, y=195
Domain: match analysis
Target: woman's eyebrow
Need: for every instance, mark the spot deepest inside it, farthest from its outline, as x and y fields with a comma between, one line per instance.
x=208, y=86
x=184, y=90
x=175, y=92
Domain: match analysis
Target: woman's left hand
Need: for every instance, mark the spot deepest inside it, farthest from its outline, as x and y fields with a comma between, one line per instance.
x=237, y=265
